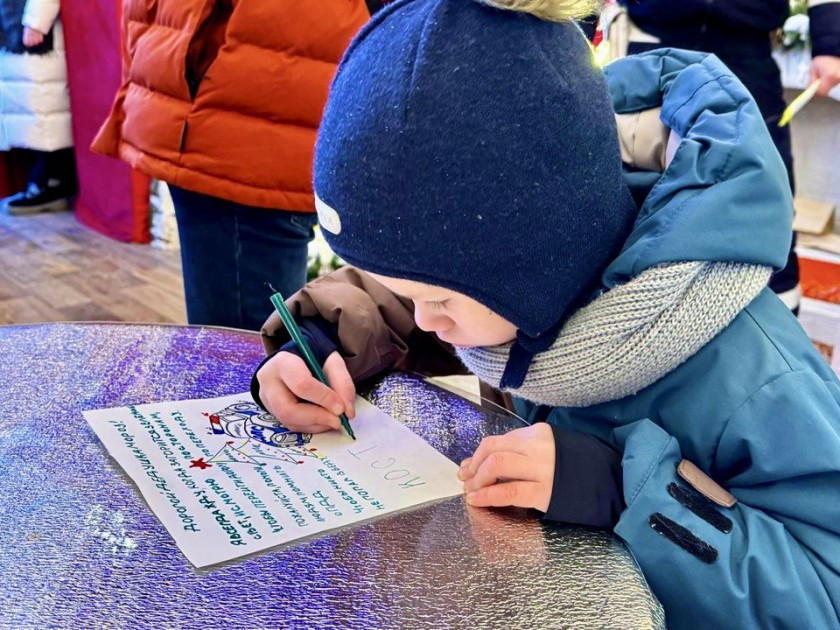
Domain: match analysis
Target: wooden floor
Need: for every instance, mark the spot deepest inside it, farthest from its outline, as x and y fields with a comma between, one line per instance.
x=54, y=269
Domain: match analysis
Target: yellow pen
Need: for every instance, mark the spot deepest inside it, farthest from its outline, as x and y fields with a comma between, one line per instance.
x=799, y=102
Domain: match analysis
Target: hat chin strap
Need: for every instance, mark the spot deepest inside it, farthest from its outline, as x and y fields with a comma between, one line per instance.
x=522, y=353
x=626, y=339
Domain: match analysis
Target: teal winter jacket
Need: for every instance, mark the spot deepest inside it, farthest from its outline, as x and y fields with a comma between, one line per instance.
x=757, y=409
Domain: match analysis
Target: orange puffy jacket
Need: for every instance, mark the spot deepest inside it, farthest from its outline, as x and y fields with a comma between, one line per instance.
x=224, y=97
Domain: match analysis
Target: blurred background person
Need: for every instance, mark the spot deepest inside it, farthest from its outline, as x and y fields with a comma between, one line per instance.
x=35, y=103
x=222, y=100
x=739, y=33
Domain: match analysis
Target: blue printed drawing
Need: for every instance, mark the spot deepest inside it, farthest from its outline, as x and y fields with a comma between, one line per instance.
x=246, y=420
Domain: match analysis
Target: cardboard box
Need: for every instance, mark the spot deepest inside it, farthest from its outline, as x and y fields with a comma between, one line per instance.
x=812, y=216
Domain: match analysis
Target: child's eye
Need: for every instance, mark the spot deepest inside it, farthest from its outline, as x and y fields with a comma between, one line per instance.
x=438, y=305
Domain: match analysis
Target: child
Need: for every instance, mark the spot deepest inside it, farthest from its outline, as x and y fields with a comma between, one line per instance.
x=35, y=104
x=468, y=160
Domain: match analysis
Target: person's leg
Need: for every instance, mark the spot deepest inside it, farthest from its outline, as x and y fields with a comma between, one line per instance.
x=56, y=170
x=229, y=251
x=208, y=257
x=274, y=246
x=52, y=181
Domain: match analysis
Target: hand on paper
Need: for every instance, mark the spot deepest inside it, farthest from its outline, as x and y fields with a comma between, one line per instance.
x=32, y=37
x=827, y=69
x=299, y=400
x=522, y=460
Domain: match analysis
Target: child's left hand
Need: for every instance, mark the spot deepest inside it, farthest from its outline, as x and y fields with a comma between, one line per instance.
x=32, y=37
x=523, y=459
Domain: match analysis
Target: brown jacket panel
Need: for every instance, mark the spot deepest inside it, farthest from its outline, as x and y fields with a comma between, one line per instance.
x=376, y=328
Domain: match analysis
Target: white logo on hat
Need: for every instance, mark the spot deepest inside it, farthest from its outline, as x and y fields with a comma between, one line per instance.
x=327, y=217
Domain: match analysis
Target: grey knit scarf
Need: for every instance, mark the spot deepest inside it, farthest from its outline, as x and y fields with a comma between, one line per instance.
x=632, y=335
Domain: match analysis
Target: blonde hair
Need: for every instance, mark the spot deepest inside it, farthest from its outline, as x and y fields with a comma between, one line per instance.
x=551, y=10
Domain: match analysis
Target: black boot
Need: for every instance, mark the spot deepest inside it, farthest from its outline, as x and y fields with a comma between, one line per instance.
x=52, y=184
x=37, y=199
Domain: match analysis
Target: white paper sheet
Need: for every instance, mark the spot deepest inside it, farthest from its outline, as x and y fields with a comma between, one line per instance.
x=226, y=479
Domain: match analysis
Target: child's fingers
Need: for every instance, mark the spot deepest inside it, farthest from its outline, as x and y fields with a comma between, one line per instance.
x=309, y=418
x=295, y=415
x=464, y=472
x=296, y=376
x=339, y=377
x=502, y=465
x=525, y=494
x=512, y=442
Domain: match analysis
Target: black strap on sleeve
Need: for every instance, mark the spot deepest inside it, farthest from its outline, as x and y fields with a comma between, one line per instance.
x=683, y=538
x=701, y=506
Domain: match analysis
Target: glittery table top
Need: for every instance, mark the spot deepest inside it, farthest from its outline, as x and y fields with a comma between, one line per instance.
x=80, y=548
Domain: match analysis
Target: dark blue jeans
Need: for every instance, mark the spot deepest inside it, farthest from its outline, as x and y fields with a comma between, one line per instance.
x=229, y=251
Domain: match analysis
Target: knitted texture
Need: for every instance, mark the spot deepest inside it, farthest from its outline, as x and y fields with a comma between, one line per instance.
x=474, y=149
x=630, y=336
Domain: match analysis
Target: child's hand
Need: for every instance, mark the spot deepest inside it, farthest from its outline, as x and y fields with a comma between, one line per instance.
x=523, y=459
x=32, y=37
x=286, y=382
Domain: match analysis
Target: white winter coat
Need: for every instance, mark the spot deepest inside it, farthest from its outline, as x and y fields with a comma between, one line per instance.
x=34, y=99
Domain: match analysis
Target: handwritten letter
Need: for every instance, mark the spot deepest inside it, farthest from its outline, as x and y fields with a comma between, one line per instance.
x=227, y=479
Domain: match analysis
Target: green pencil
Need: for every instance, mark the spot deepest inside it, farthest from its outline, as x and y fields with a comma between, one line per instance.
x=290, y=324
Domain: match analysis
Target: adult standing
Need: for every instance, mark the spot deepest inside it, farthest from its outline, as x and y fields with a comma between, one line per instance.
x=738, y=32
x=35, y=103
x=222, y=100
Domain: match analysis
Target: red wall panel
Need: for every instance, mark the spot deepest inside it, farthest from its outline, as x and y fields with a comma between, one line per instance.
x=113, y=199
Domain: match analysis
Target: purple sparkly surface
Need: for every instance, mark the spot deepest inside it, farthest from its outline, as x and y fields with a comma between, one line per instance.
x=81, y=549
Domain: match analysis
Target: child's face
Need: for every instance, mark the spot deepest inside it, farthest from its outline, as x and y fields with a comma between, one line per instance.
x=454, y=317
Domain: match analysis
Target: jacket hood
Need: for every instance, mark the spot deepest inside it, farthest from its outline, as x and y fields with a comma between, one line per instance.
x=725, y=195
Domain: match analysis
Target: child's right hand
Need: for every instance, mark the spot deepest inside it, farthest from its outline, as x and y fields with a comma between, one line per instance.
x=299, y=400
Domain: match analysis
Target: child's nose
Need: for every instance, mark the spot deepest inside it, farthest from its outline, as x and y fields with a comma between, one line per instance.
x=431, y=322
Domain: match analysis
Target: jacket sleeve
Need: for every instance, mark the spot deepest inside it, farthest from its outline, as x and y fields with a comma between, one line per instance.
x=587, y=481
x=376, y=329
x=772, y=559
x=824, y=17
x=40, y=14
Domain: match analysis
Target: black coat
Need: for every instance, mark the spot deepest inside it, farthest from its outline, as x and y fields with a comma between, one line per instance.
x=732, y=27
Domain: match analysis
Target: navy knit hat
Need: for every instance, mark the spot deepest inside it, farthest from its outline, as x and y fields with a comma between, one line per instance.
x=475, y=149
